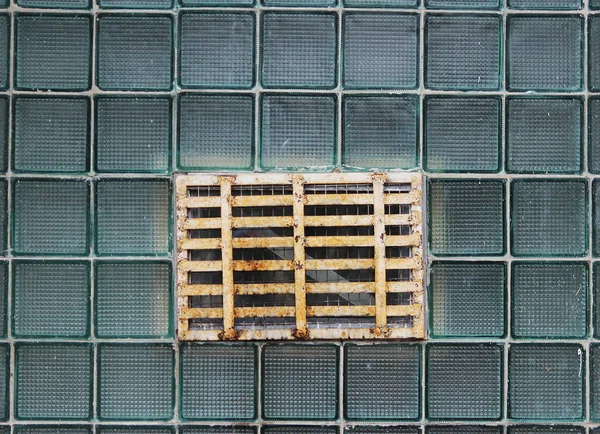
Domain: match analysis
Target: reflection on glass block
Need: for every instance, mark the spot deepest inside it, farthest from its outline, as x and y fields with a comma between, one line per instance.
x=595, y=382
x=4, y=127
x=463, y=4
x=54, y=4
x=545, y=4
x=300, y=430
x=110, y=429
x=136, y=4
x=53, y=429
x=471, y=429
x=217, y=430
x=552, y=429
x=4, y=381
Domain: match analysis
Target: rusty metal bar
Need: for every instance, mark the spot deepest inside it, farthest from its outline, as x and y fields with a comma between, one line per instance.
x=299, y=257
x=227, y=259
x=379, y=245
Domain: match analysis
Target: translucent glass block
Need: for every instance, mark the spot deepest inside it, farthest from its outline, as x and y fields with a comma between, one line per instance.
x=544, y=135
x=51, y=134
x=228, y=3
x=545, y=4
x=133, y=134
x=548, y=218
x=552, y=429
x=380, y=131
x=136, y=381
x=3, y=298
x=300, y=430
x=51, y=299
x=136, y=4
x=463, y=52
x=51, y=217
x=596, y=217
x=382, y=430
x=135, y=52
x=466, y=217
x=594, y=135
x=298, y=132
x=594, y=52
x=110, y=429
x=216, y=50
x=53, y=429
x=549, y=300
x=464, y=429
x=53, y=381
x=217, y=430
x=299, y=50
x=462, y=134
x=594, y=4
x=382, y=382
x=544, y=53
x=596, y=304
x=463, y=4
x=216, y=132
x=380, y=50
x=4, y=127
x=133, y=299
x=595, y=382
x=3, y=216
x=4, y=3
x=300, y=382
x=4, y=382
x=55, y=4
x=4, y=50
x=464, y=381
x=61, y=43
x=133, y=217
x=381, y=3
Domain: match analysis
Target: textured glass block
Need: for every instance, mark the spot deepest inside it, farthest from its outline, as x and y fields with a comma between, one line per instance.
x=544, y=53
x=110, y=429
x=463, y=52
x=549, y=300
x=51, y=134
x=218, y=381
x=382, y=382
x=466, y=217
x=382, y=430
x=217, y=430
x=216, y=50
x=4, y=382
x=380, y=50
x=462, y=134
x=133, y=134
x=544, y=135
x=54, y=4
x=4, y=127
x=51, y=217
x=136, y=4
x=133, y=217
x=301, y=3
x=53, y=429
x=4, y=3
x=133, y=299
x=594, y=4
x=380, y=3
x=380, y=131
x=298, y=132
x=464, y=429
x=3, y=298
x=596, y=217
x=136, y=381
x=595, y=382
x=548, y=218
x=135, y=52
x=545, y=4
x=228, y=3
x=463, y=4
x=594, y=52
x=594, y=135
x=51, y=299
x=4, y=50
x=299, y=50
x=300, y=430
x=596, y=303
x=553, y=429
x=53, y=52
x=464, y=381
x=3, y=216
x=53, y=381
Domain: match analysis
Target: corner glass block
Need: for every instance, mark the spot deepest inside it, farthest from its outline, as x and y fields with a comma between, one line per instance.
x=382, y=382
x=61, y=43
x=552, y=429
x=4, y=127
x=382, y=430
x=218, y=382
x=594, y=52
x=136, y=381
x=300, y=382
x=544, y=53
x=381, y=3
x=463, y=4
x=133, y=134
x=55, y=4
x=133, y=217
x=110, y=429
x=462, y=134
x=549, y=300
x=136, y=4
x=466, y=217
x=298, y=132
x=463, y=52
x=51, y=134
x=380, y=51
x=53, y=429
x=217, y=430
x=594, y=135
x=135, y=52
x=464, y=381
x=544, y=135
x=446, y=429
x=216, y=132
x=548, y=218
x=3, y=298
x=545, y=4
x=53, y=381
x=4, y=50
x=380, y=131
x=50, y=217
x=300, y=430
x=595, y=382
x=299, y=50
x=596, y=304
x=4, y=382
x=51, y=299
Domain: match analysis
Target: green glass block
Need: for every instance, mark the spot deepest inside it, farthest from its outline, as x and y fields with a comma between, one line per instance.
x=548, y=218
x=50, y=217
x=3, y=216
x=382, y=430
x=596, y=304
x=53, y=381
x=544, y=135
x=464, y=429
x=380, y=3
x=546, y=382
x=299, y=50
x=51, y=134
x=217, y=430
x=594, y=52
x=228, y=3
x=216, y=50
x=135, y=52
x=4, y=50
x=549, y=300
x=544, y=53
x=136, y=4
x=596, y=217
x=51, y=299
x=380, y=51
x=136, y=381
x=545, y=4
x=53, y=429
x=218, y=381
x=554, y=429
x=61, y=43
x=3, y=298
x=4, y=3
x=300, y=430
x=298, y=132
x=594, y=135
x=380, y=131
x=594, y=4
x=382, y=382
x=133, y=299
x=463, y=4
x=463, y=52
x=466, y=217
x=595, y=382
x=5, y=374
x=133, y=217
x=300, y=3
x=4, y=127
x=464, y=381
x=55, y=4
x=111, y=429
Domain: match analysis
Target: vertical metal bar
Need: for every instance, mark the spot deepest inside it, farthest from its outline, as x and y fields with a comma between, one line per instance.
x=417, y=254
x=299, y=258
x=379, y=244
x=182, y=277
x=227, y=259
